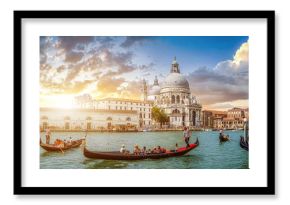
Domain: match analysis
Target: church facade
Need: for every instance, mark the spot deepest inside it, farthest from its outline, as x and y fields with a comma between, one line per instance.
x=175, y=98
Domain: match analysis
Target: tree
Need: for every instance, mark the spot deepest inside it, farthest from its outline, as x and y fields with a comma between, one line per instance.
x=159, y=115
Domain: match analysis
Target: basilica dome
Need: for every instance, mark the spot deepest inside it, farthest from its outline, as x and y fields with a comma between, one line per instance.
x=175, y=79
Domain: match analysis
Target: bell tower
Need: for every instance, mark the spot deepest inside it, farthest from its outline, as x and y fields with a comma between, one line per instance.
x=144, y=90
x=156, y=81
x=175, y=66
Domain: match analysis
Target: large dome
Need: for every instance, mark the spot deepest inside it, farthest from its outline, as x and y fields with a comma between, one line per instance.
x=175, y=80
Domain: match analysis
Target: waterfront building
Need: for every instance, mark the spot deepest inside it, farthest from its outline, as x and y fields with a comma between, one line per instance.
x=88, y=119
x=207, y=119
x=235, y=118
x=231, y=119
x=142, y=108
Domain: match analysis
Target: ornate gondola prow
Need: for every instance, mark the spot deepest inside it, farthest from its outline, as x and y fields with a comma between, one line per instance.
x=244, y=143
x=196, y=141
x=84, y=139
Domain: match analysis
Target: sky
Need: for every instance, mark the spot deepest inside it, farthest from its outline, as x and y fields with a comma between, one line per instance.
x=216, y=67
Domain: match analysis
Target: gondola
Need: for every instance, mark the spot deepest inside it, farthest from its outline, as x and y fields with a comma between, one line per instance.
x=119, y=156
x=244, y=143
x=54, y=148
x=224, y=138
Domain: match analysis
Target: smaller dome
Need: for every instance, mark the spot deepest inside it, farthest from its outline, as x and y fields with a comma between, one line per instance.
x=155, y=90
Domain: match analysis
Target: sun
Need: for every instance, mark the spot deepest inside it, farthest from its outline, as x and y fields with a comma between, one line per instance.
x=58, y=101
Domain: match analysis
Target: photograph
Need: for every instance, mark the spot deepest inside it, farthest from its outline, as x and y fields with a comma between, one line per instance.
x=144, y=102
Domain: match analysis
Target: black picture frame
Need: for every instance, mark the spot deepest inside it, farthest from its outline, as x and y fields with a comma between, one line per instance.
x=268, y=190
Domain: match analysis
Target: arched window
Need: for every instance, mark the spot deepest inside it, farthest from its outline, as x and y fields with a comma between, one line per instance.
x=88, y=118
x=109, y=119
x=177, y=99
x=67, y=126
x=128, y=119
x=176, y=111
x=167, y=100
x=172, y=99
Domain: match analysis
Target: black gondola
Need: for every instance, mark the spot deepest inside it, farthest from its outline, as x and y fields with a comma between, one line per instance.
x=244, y=143
x=120, y=156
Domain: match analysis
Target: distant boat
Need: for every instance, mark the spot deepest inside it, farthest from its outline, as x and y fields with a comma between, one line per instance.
x=224, y=138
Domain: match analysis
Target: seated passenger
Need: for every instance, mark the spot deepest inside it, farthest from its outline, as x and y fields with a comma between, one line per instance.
x=163, y=150
x=154, y=150
x=144, y=151
x=57, y=142
x=159, y=149
x=122, y=150
x=137, y=150
x=176, y=147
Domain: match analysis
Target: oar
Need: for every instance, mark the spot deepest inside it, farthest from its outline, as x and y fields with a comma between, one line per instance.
x=61, y=150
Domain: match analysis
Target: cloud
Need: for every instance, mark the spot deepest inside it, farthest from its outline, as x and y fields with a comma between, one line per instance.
x=70, y=42
x=45, y=43
x=74, y=65
x=52, y=88
x=73, y=57
x=227, y=81
x=242, y=53
x=118, y=87
x=131, y=40
x=131, y=90
x=109, y=85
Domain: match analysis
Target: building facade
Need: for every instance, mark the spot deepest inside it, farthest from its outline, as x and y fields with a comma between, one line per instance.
x=231, y=119
x=87, y=119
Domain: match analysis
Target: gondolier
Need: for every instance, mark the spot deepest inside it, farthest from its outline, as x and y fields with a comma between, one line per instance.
x=47, y=136
x=186, y=136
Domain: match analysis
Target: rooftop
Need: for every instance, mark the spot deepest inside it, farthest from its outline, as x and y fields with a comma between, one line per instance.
x=87, y=110
x=125, y=100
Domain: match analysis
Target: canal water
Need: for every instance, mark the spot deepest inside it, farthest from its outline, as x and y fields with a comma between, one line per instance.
x=210, y=154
